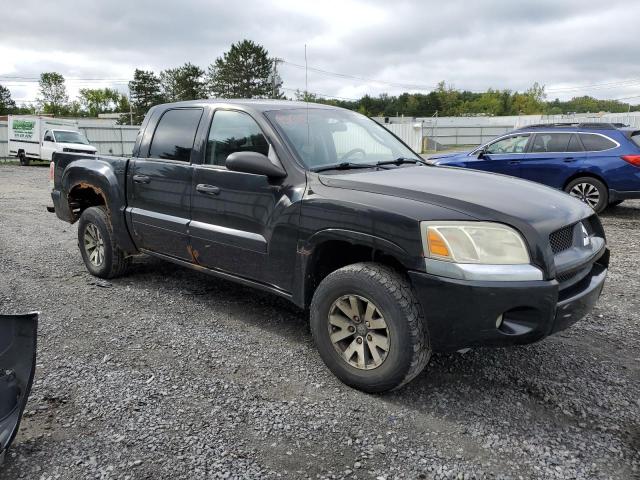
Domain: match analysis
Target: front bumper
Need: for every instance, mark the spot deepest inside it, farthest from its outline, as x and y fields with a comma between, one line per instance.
x=463, y=313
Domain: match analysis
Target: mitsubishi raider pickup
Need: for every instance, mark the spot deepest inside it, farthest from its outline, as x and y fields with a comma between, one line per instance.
x=393, y=258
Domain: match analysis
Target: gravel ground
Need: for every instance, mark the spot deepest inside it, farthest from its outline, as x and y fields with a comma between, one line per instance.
x=168, y=373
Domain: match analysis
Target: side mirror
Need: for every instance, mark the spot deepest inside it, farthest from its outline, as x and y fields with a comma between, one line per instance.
x=481, y=153
x=256, y=163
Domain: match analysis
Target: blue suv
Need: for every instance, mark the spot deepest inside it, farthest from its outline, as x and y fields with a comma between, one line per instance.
x=599, y=163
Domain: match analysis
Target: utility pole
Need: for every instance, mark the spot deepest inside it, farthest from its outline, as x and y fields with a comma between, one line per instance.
x=130, y=109
x=275, y=76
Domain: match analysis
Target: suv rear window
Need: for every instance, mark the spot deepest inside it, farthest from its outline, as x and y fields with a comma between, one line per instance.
x=174, y=135
x=596, y=143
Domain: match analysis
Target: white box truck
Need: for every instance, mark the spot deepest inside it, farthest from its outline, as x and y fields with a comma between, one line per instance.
x=34, y=137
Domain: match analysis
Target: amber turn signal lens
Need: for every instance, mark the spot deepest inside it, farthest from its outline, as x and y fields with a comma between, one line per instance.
x=437, y=244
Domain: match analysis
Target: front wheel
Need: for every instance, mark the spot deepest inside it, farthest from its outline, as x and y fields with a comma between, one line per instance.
x=368, y=327
x=102, y=257
x=591, y=191
x=24, y=160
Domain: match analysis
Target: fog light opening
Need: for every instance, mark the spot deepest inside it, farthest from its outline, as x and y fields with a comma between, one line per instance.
x=499, y=321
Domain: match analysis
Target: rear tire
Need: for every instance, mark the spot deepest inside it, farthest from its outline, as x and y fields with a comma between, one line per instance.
x=24, y=160
x=591, y=191
x=387, y=315
x=102, y=257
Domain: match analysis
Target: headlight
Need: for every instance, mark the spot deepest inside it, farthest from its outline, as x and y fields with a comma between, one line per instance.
x=474, y=242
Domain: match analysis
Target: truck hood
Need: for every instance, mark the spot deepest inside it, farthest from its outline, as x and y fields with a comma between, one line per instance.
x=534, y=209
x=17, y=365
x=77, y=146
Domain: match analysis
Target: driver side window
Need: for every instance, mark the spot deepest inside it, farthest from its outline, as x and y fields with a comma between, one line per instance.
x=514, y=144
x=233, y=131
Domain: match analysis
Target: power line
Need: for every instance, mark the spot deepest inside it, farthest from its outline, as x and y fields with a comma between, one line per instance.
x=598, y=86
x=364, y=79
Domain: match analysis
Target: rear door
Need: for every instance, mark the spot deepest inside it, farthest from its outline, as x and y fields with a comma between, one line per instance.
x=552, y=158
x=238, y=218
x=159, y=184
x=502, y=155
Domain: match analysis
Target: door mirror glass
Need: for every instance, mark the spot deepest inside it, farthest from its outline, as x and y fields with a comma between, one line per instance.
x=254, y=162
x=48, y=137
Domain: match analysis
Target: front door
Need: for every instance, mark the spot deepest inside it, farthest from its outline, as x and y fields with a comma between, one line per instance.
x=47, y=146
x=159, y=186
x=501, y=156
x=237, y=218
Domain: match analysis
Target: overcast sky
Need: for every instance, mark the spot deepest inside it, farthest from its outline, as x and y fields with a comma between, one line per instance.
x=389, y=45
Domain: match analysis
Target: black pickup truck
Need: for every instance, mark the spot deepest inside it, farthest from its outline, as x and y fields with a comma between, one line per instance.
x=322, y=206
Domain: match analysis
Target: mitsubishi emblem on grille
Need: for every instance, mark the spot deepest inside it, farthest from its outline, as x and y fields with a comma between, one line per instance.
x=586, y=240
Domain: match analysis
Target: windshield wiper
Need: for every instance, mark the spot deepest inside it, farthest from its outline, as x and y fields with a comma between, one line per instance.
x=402, y=160
x=347, y=166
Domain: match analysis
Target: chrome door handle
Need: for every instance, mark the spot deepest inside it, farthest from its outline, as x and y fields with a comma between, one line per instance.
x=141, y=179
x=207, y=189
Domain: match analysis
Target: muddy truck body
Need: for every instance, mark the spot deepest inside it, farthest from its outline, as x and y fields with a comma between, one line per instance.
x=393, y=258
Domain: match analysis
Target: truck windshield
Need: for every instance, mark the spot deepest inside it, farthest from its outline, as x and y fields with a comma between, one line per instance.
x=322, y=137
x=64, y=136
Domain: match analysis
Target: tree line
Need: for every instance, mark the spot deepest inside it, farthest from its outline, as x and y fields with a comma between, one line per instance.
x=446, y=101
x=247, y=71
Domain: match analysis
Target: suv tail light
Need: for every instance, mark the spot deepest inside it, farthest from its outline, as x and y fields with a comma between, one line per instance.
x=632, y=159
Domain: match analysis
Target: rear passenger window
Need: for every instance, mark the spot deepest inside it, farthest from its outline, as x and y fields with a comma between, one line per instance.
x=233, y=131
x=550, y=142
x=574, y=144
x=596, y=143
x=175, y=133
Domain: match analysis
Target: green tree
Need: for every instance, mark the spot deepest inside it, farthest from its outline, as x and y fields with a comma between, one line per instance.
x=99, y=100
x=145, y=92
x=53, y=93
x=245, y=71
x=7, y=104
x=183, y=83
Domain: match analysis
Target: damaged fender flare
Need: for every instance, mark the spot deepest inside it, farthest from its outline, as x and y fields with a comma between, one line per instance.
x=18, y=338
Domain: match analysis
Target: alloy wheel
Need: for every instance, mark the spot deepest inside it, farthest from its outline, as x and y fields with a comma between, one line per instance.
x=358, y=332
x=94, y=244
x=586, y=192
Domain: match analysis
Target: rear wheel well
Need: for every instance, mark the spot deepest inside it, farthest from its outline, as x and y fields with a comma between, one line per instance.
x=584, y=174
x=334, y=254
x=83, y=196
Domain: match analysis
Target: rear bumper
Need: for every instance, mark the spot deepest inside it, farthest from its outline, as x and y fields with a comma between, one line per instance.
x=461, y=313
x=615, y=195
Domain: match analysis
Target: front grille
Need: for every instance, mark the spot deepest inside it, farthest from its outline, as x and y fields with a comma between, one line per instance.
x=565, y=277
x=561, y=239
x=74, y=150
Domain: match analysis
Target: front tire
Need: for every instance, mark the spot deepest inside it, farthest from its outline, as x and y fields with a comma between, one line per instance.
x=102, y=257
x=589, y=190
x=24, y=160
x=368, y=327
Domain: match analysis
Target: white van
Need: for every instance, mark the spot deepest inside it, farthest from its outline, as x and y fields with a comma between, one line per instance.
x=35, y=137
